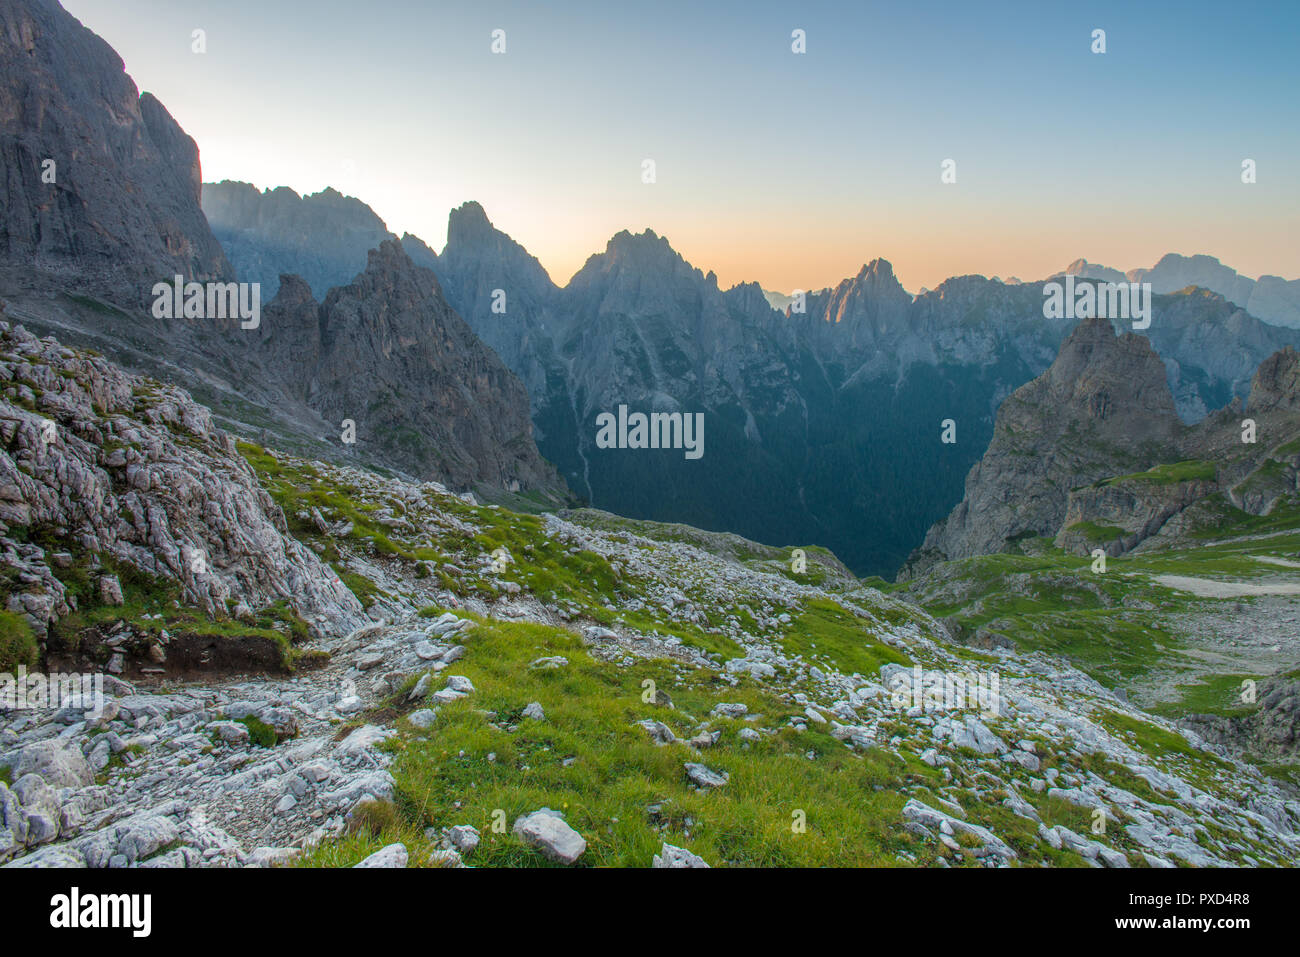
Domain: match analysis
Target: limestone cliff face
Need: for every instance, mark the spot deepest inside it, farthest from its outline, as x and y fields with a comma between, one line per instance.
x=123, y=208
x=389, y=353
x=1120, y=514
x=1275, y=388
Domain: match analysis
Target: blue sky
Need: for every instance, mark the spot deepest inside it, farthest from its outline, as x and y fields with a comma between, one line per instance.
x=788, y=169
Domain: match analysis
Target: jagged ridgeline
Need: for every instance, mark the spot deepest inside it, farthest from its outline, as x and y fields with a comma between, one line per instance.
x=820, y=426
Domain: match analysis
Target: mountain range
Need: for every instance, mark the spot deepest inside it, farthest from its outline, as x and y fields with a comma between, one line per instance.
x=822, y=425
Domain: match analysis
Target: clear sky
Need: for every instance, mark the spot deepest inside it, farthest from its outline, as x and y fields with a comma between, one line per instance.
x=788, y=169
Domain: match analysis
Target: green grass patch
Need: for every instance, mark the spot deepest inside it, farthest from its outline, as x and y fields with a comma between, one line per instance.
x=1189, y=470
x=17, y=642
x=625, y=795
x=828, y=633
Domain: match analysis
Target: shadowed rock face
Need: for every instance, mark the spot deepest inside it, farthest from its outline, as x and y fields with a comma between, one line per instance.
x=123, y=210
x=1276, y=386
x=388, y=352
x=324, y=238
x=1271, y=732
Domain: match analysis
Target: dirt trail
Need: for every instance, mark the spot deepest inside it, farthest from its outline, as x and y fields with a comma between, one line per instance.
x=1210, y=588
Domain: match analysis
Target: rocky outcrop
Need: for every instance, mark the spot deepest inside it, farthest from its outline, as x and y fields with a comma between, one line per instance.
x=97, y=182
x=323, y=237
x=1119, y=514
x=1103, y=408
x=1275, y=389
x=1270, y=732
x=388, y=353
x=101, y=471
x=1092, y=454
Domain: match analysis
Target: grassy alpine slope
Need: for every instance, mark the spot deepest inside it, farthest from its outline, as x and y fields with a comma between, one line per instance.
x=822, y=765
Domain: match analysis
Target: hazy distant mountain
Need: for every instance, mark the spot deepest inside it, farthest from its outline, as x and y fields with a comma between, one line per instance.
x=1271, y=298
x=1086, y=270
x=323, y=237
x=778, y=300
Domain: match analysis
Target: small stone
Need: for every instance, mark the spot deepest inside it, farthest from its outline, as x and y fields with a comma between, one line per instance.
x=545, y=830
x=659, y=732
x=676, y=857
x=464, y=838
x=705, y=777
x=422, y=719
x=421, y=688
x=110, y=590
x=534, y=712
x=726, y=710
x=231, y=732
x=555, y=661
x=394, y=855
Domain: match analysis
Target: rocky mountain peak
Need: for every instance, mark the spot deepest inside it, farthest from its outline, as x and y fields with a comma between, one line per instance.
x=878, y=270
x=477, y=253
x=1103, y=408
x=468, y=224
x=1277, y=383
x=1101, y=375
x=874, y=300
x=1086, y=270
x=644, y=250
x=398, y=360
x=294, y=291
